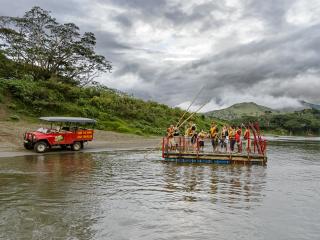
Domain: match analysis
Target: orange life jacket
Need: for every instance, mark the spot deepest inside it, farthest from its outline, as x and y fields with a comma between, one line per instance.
x=170, y=132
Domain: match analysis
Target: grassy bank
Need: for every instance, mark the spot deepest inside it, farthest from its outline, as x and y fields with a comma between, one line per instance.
x=28, y=99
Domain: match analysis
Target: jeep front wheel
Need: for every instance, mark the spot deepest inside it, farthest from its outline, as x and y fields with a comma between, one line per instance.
x=76, y=146
x=40, y=147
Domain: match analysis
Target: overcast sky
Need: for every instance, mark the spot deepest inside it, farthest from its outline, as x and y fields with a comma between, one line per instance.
x=266, y=51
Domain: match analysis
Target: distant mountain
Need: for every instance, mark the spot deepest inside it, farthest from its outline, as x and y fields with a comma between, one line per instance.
x=310, y=105
x=303, y=105
x=241, y=109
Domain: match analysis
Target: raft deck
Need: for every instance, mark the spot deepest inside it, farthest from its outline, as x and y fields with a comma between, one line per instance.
x=214, y=157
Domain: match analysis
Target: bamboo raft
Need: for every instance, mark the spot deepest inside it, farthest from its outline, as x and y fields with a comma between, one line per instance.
x=184, y=152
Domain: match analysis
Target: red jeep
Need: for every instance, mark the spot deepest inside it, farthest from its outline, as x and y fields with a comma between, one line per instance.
x=69, y=133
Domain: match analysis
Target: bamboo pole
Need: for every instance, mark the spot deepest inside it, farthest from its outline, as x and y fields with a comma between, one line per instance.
x=192, y=115
x=192, y=102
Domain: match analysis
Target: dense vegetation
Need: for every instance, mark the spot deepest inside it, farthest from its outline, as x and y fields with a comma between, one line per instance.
x=113, y=110
x=305, y=122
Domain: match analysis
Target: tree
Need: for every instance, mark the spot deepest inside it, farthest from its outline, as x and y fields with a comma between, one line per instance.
x=294, y=125
x=47, y=48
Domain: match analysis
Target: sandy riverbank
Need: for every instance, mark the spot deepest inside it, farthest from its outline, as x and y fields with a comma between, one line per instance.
x=11, y=140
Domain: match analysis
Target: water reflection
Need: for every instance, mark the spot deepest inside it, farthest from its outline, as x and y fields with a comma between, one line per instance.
x=225, y=184
x=61, y=164
x=41, y=197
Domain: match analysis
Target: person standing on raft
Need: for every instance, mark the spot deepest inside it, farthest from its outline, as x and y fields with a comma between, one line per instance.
x=194, y=136
x=232, y=133
x=187, y=135
x=176, y=134
x=238, y=139
x=201, y=136
x=246, y=137
x=223, y=139
x=188, y=131
x=170, y=137
x=214, y=136
x=191, y=135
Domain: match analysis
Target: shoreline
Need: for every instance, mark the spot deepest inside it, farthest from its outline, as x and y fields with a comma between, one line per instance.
x=22, y=153
x=11, y=141
x=147, y=144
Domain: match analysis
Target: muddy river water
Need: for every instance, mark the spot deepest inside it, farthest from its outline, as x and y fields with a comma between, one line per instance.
x=134, y=195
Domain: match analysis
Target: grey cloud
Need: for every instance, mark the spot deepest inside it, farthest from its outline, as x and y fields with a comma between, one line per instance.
x=57, y=8
x=124, y=20
x=200, y=12
x=153, y=10
x=244, y=66
x=144, y=5
x=271, y=12
x=109, y=42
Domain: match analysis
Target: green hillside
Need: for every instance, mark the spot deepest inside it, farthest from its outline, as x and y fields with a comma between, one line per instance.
x=28, y=99
x=240, y=110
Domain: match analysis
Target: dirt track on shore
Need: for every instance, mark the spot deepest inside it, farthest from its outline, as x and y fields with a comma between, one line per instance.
x=11, y=140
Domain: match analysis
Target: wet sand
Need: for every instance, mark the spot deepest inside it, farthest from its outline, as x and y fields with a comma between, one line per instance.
x=11, y=140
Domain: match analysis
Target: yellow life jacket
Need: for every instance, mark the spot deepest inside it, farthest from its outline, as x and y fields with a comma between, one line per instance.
x=202, y=135
x=213, y=131
x=231, y=134
x=188, y=132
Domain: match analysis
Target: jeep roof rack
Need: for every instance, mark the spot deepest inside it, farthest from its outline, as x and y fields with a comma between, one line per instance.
x=68, y=119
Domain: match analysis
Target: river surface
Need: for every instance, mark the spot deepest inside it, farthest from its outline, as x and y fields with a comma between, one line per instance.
x=134, y=195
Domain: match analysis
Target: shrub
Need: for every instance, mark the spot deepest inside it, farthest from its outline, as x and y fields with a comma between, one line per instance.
x=12, y=106
x=14, y=118
x=124, y=129
x=138, y=132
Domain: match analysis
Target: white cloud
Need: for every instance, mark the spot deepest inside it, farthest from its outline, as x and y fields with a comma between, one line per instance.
x=304, y=12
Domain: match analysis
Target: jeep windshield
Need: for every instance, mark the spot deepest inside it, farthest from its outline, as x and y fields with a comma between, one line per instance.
x=42, y=130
